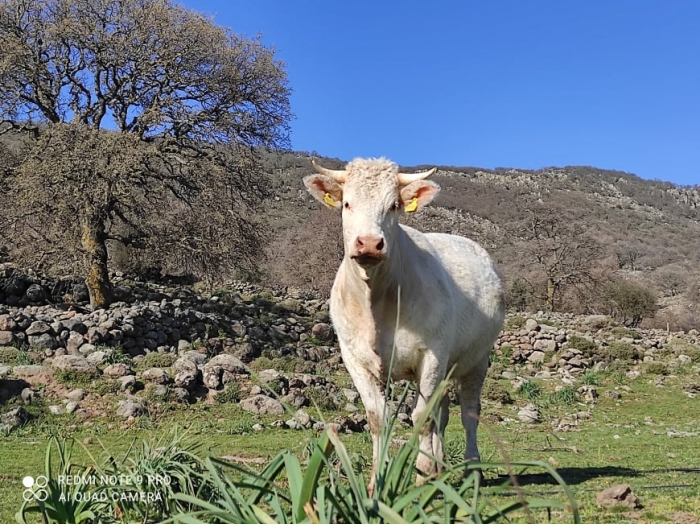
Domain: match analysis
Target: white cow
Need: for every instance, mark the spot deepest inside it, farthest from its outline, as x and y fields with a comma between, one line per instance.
x=451, y=300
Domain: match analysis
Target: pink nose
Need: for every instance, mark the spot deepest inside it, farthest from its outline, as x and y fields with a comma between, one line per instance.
x=369, y=246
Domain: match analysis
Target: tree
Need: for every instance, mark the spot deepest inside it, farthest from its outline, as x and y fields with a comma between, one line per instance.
x=630, y=302
x=562, y=251
x=146, y=120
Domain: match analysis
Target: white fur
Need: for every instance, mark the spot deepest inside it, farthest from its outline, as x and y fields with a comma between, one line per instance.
x=451, y=310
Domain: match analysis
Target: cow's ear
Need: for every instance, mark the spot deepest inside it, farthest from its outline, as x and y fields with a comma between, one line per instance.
x=325, y=189
x=417, y=194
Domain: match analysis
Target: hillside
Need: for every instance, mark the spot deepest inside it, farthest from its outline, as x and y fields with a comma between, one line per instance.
x=646, y=230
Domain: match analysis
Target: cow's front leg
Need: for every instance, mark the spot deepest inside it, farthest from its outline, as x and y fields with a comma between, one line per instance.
x=431, y=373
x=372, y=394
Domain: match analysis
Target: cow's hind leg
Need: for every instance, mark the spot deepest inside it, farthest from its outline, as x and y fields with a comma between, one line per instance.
x=469, y=386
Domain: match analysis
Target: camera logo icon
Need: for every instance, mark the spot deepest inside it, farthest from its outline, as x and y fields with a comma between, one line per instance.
x=36, y=488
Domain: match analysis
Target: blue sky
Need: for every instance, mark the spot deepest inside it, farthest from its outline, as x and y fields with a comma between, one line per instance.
x=613, y=84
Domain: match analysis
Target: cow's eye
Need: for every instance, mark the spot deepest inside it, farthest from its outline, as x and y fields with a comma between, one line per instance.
x=394, y=206
x=346, y=205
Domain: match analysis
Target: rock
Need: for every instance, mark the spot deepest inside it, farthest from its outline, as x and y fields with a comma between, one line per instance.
x=160, y=390
x=15, y=417
x=71, y=407
x=56, y=410
x=186, y=373
x=127, y=382
x=97, y=358
x=211, y=376
x=262, y=405
x=156, y=375
x=38, y=328
x=74, y=341
x=529, y=414
x=589, y=393
x=611, y=393
x=117, y=370
x=684, y=359
x=196, y=357
x=130, y=408
x=180, y=394
x=35, y=293
x=76, y=395
x=531, y=325
x=228, y=363
x=43, y=341
x=546, y=345
x=7, y=323
x=29, y=370
x=87, y=349
x=536, y=356
x=28, y=395
x=322, y=331
x=351, y=395
x=6, y=338
x=617, y=495
x=75, y=364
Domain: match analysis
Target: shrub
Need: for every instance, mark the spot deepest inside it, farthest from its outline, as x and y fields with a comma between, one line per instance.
x=73, y=378
x=8, y=355
x=157, y=360
x=590, y=377
x=515, y=323
x=530, y=390
x=496, y=392
x=620, y=332
x=630, y=302
x=107, y=387
x=656, y=368
x=230, y=395
x=566, y=395
x=321, y=399
x=621, y=351
x=585, y=346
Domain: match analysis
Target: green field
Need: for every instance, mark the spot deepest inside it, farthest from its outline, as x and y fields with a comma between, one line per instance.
x=648, y=438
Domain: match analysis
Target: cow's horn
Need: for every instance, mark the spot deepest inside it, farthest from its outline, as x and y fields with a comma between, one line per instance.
x=407, y=178
x=336, y=174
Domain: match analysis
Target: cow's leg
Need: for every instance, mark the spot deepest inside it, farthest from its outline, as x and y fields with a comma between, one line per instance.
x=431, y=373
x=470, y=401
x=372, y=395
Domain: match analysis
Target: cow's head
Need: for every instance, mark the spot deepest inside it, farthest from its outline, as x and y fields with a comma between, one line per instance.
x=370, y=193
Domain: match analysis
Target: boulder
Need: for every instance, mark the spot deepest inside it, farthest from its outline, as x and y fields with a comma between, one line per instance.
x=262, y=405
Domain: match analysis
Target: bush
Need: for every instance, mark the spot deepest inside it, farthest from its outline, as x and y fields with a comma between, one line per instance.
x=620, y=351
x=230, y=395
x=585, y=346
x=625, y=332
x=495, y=391
x=8, y=355
x=630, y=302
x=157, y=360
x=656, y=368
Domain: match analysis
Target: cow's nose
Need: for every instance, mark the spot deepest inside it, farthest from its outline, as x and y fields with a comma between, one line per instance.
x=370, y=245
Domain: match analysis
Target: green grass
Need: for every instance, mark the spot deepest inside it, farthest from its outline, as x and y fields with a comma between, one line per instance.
x=617, y=444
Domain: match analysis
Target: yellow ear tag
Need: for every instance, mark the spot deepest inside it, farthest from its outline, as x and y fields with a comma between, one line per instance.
x=410, y=208
x=328, y=200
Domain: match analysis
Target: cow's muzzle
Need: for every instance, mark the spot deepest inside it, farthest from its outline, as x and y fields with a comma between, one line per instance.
x=369, y=250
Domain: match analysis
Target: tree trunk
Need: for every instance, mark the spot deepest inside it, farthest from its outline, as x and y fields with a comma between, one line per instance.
x=551, y=291
x=94, y=244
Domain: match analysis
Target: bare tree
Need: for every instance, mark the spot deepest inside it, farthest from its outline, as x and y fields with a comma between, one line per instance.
x=561, y=251
x=143, y=109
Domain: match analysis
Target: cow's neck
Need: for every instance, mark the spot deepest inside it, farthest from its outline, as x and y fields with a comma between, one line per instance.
x=379, y=287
